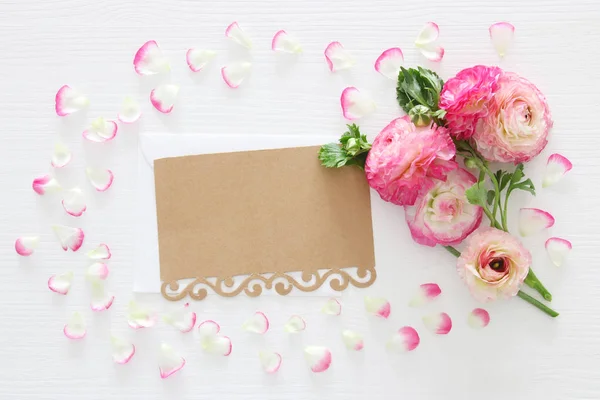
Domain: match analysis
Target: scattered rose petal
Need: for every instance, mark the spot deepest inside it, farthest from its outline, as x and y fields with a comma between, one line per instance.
x=26, y=245
x=378, y=306
x=258, y=323
x=558, y=249
x=406, y=339
x=284, y=43
x=353, y=340
x=295, y=324
x=439, y=323
x=45, y=184
x=149, y=60
x=534, y=220
x=101, y=299
x=234, y=74
x=332, y=307
x=270, y=361
x=210, y=339
x=61, y=157
x=235, y=33
x=163, y=97
x=101, y=179
x=432, y=52
x=102, y=252
x=478, y=318
x=318, y=358
x=427, y=292
x=69, y=238
x=169, y=361
x=130, y=111
x=557, y=166
x=502, y=34
x=75, y=328
x=61, y=283
x=97, y=271
x=337, y=57
x=122, y=350
x=74, y=202
x=389, y=62
x=69, y=100
x=198, y=58
x=355, y=104
x=101, y=131
x=425, y=42
x=182, y=318
x=208, y=329
x=139, y=317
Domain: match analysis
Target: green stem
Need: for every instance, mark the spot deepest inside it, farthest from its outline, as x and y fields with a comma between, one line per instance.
x=504, y=213
x=453, y=251
x=533, y=282
x=537, y=304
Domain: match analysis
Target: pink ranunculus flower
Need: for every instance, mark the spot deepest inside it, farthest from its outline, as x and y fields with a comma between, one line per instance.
x=403, y=157
x=466, y=98
x=516, y=128
x=494, y=264
x=442, y=214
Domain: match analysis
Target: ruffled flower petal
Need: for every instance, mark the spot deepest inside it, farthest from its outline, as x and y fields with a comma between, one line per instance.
x=122, y=350
x=389, y=62
x=406, y=339
x=353, y=340
x=338, y=58
x=75, y=328
x=557, y=166
x=378, y=306
x=332, y=307
x=182, y=319
x=130, y=111
x=169, y=361
x=74, y=202
x=478, y=318
x=198, y=58
x=45, y=184
x=534, y=220
x=163, y=97
x=97, y=271
x=258, y=323
x=68, y=101
x=237, y=34
x=101, y=131
x=270, y=361
x=211, y=341
x=428, y=34
x=284, y=43
x=558, y=249
x=149, y=60
x=61, y=283
x=101, y=299
x=318, y=358
x=427, y=292
x=101, y=179
x=295, y=324
x=61, y=156
x=356, y=104
x=502, y=34
x=139, y=317
x=439, y=323
x=102, y=252
x=234, y=74
x=26, y=245
x=69, y=237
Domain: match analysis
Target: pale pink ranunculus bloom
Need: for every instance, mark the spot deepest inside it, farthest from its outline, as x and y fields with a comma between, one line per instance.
x=516, y=128
x=442, y=213
x=466, y=98
x=494, y=264
x=403, y=157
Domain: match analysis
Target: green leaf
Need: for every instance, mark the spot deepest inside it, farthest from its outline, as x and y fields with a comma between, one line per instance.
x=526, y=185
x=518, y=174
x=352, y=149
x=491, y=195
x=476, y=194
x=418, y=87
x=504, y=180
x=332, y=155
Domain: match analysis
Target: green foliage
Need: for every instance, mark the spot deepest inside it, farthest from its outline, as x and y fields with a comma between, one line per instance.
x=352, y=149
x=419, y=87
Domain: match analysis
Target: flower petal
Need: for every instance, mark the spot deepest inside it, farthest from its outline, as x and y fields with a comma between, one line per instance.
x=26, y=245
x=69, y=100
x=432, y=52
x=74, y=202
x=208, y=329
x=101, y=299
x=338, y=58
x=284, y=43
x=427, y=292
x=198, y=58
x=406, y=339
x=332, y=307
x=69, y=238
x=378, y=306
x=353, y=340
x=502, y=34
x=45, y=184
x=182, y=318
x=318, y=358
x=295, y=324
x=97, y=271
x=122, y=350
x=234, y=74
x=389, y=62
x=355, y=104
x=258, y=323
x=428, y=34
x=534, y=220
x=139, y=317
x=101, y=179
x=557, y=166
x=130, y=111
x=75, y=328
x=169, y=361
x=235, y=33
x=219, y=345
x=439, y=323
x=163, y=97
x=149, y=60
x=270, y=361
x=61, y=157
x=61, y=283
x=102, y=252
x=101, y=131
x=478, y=318
x=558, y=249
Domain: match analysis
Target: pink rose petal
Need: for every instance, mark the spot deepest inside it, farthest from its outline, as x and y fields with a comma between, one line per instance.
x=558, y=249
x=237, y=34
x=61, y=156
x=406, y=339
x=101, y=179
x=355, y=104
x=270, y=361
x=74, y=202
x=332, y=307
x=318, y=358
x=69, y=238
x=45, y=184
x=234, y=74
x=61, y=283
x=68, y=101
x=149, y=60
x=211, y=341
x=502, y=34
x=426, y=42
x=378, y=306
x=139, y=317
x=130, y=111
x=75, y=328
x=183, y=319
x=101, y=299
x=478, y=318
x=432, y=52
x=122, y=350
x=26, y=245
x=197, y=59
x=534, y=220
x=557, y=166
x=97, y=271
x=284, y=43
x=353, y=340
x=439, y=323
x=258, y=323
x=169, y=361
x=426, y=293
x=337, y=57
x=101, y=131
x=163, y=97
x=389, y=62
x=295, y=324
x=102, y=252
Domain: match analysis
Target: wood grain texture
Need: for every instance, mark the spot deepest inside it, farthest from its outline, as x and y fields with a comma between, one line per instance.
x=90, y=45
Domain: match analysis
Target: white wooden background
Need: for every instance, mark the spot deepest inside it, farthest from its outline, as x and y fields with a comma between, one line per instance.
x=90, y=45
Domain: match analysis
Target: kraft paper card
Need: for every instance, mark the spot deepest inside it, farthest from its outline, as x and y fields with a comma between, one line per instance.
x=261, y=214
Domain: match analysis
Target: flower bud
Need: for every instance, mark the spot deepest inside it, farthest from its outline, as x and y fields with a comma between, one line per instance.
x=420, y=115
x=470, y=163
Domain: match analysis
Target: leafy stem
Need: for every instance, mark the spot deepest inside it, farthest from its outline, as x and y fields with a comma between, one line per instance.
x=352, y=149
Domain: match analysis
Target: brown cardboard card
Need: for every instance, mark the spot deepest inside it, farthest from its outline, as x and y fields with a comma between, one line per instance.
x=261, y=214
